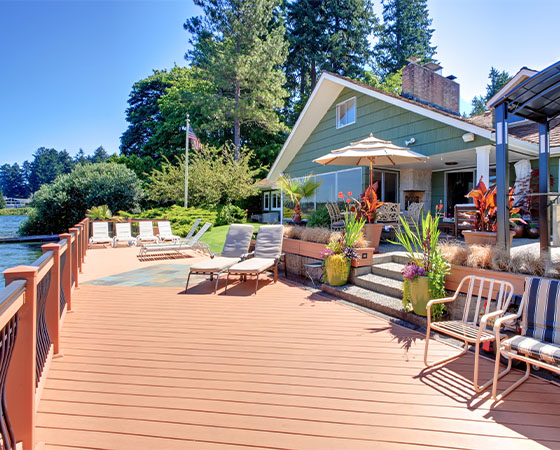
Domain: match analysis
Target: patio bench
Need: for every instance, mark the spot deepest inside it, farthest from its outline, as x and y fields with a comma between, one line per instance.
x=539, y=341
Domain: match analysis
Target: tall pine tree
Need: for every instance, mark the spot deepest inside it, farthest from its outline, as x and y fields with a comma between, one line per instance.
x=330, y=35
x=239, y=48
x=405, y=33
x=497, y=81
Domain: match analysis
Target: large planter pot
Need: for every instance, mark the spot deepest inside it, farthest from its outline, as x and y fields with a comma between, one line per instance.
x=533, y=233
x=519, y=230
x=337, y=270
x=473, y=237
x=419, y=295
x=372, y=233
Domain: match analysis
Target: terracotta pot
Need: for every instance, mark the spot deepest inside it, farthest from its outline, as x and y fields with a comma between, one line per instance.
x=372, y=233
x=473, y=237
x=419, y=295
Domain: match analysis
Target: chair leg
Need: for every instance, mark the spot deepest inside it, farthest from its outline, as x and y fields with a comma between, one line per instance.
x=216, y=285
x=497, y=376
x=441, y=361
x=256, y=284
x=188, y=279
x=276, y=273
x=227, y=281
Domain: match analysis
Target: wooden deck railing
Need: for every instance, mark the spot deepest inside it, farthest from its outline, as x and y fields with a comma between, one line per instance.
x=32, y=309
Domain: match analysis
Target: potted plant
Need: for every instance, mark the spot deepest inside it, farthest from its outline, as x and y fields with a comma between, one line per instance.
x=367, y=208
x=339, y=253
x=533, y=230
x=424, y=275
x=485, y=217
x=296, y=190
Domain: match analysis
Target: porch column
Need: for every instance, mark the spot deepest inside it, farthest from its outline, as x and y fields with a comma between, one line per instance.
x=483, y=165
x=544, y=188
x=502, y=171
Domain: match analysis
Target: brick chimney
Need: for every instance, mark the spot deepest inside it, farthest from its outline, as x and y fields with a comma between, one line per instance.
x=427, y=85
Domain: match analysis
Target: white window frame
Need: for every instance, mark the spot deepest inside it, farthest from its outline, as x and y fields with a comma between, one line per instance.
x=336, y=190
x=266, y=201
x=275, y=201
x=338, y=125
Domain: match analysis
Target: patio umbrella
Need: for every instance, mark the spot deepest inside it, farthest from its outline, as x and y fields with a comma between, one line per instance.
x=370, y=151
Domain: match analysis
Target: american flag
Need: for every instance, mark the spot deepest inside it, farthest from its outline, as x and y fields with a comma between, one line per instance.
x=194, y=140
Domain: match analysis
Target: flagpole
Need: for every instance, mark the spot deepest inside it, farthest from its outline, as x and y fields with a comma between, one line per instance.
x=187, y=163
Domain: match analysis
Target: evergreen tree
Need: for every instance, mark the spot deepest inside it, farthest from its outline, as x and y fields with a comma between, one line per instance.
x=47, y=164
x=405, y=33
x=99, y=155
x=330, y=35
x=497, y=81
x=238, y=50
x=12, y=181
x=2, y=200
x=80, y=157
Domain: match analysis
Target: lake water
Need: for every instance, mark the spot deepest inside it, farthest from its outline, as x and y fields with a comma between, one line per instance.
x=15, y=254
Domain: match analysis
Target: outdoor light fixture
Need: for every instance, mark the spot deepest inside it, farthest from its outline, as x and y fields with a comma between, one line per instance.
x=468, y=137
x=451, y=163
x=410, y=141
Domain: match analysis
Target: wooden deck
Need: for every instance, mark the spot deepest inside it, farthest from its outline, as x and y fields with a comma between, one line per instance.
x=149, y=367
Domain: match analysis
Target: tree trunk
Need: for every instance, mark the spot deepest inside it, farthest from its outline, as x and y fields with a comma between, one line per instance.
x=313, y=75
x=236, y=123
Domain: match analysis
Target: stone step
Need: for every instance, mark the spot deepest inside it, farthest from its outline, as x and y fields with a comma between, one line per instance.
x=396, y=257
x=390, y=270
x=380, y=284
x=376, y=301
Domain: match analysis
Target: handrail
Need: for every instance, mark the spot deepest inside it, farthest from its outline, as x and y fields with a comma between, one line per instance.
x=32, y=307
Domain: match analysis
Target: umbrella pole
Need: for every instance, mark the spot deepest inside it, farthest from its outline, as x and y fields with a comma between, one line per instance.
x=370, y=173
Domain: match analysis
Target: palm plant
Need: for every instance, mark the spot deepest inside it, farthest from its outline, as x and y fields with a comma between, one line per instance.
x=297, y=190
x=99, y=213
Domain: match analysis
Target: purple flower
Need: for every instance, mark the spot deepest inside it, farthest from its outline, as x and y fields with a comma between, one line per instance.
x=326, y=253
x=412, y=271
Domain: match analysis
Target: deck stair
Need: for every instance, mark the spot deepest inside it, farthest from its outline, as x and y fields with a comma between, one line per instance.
x=379, y=287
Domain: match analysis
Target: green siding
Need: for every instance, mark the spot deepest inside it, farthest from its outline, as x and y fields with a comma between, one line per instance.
x=438, y=184
x=386, y=122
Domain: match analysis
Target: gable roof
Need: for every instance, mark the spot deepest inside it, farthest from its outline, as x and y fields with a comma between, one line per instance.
x=328, y=89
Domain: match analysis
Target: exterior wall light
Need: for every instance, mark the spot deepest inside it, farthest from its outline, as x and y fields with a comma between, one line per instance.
x=468, y=137
x=410, y=141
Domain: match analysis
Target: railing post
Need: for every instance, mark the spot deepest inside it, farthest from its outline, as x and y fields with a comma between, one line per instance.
x=67, y=274
x=75, y=255
x=20, y=383
x=52, y=311
x=86, y=235
x=79, y=245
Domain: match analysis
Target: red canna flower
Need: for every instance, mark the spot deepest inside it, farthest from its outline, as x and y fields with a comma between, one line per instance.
x=349, y=194
x=348, y=200
x=340, y=195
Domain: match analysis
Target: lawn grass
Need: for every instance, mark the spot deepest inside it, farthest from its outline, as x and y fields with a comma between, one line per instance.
x=216, y=237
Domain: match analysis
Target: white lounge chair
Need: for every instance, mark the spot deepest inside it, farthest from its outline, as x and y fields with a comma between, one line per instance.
x=123, y=234
x=193, y=229
x=237, y=244
x=146, y=233
x=100, y=234
x=267, y=255
x=178, y=247
x=165, y=233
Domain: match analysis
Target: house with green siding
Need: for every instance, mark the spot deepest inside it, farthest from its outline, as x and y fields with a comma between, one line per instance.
x=424, y=118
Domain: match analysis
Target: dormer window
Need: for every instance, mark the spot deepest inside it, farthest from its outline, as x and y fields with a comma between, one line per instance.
x=346, y=113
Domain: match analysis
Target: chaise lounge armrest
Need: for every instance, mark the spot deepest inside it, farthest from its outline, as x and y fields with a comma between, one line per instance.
x=245, y=256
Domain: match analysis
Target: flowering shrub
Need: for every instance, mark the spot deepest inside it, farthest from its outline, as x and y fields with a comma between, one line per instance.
x=412, y=271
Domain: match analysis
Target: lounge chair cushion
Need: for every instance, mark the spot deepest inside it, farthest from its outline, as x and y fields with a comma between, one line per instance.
x=214, y=264
x=542, y=316
x=253, y=265
x=238, y=240
x=269, y=241
x=533, y=348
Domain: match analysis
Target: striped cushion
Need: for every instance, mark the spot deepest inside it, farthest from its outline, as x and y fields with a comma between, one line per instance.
x=542, y=314
x=533, y=349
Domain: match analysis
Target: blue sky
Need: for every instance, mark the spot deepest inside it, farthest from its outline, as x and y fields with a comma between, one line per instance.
x=68, y=66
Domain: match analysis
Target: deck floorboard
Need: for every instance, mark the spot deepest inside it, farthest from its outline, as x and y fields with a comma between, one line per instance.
x=150, y=367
